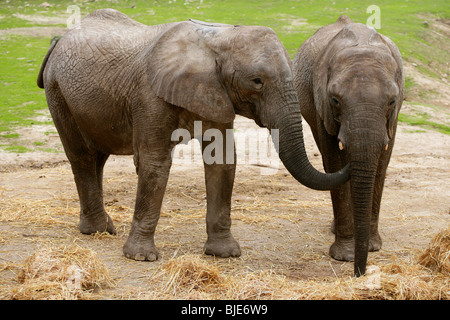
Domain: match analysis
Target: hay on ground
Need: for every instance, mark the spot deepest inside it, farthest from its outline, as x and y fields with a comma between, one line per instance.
x=66, y=272
x=190, y=272
x=437, y=255
x=192, y=277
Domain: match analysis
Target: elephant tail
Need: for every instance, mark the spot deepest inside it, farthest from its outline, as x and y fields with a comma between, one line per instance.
x=40, y=79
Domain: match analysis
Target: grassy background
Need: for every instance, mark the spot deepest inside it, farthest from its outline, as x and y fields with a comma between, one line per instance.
x=294, y=21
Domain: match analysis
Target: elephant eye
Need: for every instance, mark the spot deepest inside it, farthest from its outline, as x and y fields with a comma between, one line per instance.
x=335, y=109
x=257, y=84
x=392, y=103
x=334, y=101
x=257, y=81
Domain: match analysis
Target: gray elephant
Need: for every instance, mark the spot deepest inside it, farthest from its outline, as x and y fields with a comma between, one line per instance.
x=115, y=86
x=349, y=80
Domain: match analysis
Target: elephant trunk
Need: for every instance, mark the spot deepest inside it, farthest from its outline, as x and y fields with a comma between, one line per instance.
x=364, y=149
x=362, y=186
x=291, y=148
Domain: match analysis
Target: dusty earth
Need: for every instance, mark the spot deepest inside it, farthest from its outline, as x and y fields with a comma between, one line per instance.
x=281, y=225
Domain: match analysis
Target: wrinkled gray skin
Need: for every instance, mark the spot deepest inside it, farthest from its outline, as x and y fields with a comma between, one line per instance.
x=115, y=86
x=349, y=80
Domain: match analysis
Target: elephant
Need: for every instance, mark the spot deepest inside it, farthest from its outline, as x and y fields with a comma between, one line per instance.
x=116, y=86
x=349, y=81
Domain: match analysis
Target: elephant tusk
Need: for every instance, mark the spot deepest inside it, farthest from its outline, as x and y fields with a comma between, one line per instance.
x=341, y=146
x=387, y=146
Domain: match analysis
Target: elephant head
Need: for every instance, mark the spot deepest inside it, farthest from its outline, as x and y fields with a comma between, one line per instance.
x=358, y=91
x=217, y=71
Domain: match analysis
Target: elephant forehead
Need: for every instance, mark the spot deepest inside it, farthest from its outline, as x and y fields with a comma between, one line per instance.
x=259, y=42
x=367, y=80
x=366, y=65
x=363, y=81
x=365, y=56
x=259, y=50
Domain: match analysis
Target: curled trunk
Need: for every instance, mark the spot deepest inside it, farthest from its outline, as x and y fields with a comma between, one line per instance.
x=291, y=149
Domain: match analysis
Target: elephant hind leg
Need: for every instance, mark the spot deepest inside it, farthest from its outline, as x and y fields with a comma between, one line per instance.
x=88, y=174
x=87, y=167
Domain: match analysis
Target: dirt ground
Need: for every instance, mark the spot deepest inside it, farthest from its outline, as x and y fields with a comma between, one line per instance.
x=281, y=225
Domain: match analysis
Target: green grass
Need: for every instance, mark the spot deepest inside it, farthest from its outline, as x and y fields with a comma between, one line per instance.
x=409, y=83
x=427, y=116
x=15, y=148
x=294, y=22
x=10, y=135
x=423, y=120
x=20, y=98
x=399, y=19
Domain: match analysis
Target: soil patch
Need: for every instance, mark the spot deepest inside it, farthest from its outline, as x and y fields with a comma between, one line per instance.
x=283, y=228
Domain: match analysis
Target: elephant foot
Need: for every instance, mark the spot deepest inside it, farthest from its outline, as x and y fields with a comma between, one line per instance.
x=222, y=247
x=375, y=242
x=140, y=249
x=333, y=227
x=343, y=250
x=98, y=223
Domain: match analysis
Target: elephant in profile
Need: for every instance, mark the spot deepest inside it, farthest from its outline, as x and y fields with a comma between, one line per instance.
x=350, y=83
x=116, y=86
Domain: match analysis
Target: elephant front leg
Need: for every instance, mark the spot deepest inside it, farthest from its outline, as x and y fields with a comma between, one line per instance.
x=219, y=187
x=343, y=248
x=375, y=242
x=152, y=181
x=342, y=225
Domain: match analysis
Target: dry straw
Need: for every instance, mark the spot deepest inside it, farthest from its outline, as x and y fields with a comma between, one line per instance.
x=193, y=277
x=38, y=212
x=437, y=255
x=190, y=273
x=74, y=272
x=65, y=272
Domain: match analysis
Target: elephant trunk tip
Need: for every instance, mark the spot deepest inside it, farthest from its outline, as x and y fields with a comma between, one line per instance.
x=344, y=174
x=325, y=181
x=338, y=178
x=361, y=251
x=360, y=269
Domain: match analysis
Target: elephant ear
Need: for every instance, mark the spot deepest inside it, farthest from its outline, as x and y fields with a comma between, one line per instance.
x=183, y=71
x=343, y=39
x=400, y=80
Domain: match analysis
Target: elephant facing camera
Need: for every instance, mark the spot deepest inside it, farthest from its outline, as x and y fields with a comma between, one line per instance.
x=351, y=98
